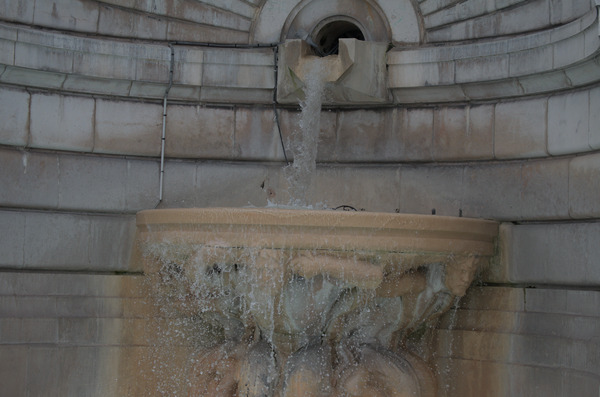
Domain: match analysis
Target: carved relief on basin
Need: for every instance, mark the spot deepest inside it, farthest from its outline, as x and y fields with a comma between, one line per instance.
x=310, y=302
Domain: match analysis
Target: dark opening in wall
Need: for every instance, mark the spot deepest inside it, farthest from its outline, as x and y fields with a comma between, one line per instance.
x=327, y=37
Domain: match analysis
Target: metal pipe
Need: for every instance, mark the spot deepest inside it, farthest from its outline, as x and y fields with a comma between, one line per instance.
x=164, y=126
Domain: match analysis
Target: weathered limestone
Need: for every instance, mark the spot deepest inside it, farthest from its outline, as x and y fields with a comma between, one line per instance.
x=506, y=128
x=62, y=332
x=521, y=346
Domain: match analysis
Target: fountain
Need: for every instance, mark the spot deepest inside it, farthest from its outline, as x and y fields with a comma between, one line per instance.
x=301, y=302
x=308, y=302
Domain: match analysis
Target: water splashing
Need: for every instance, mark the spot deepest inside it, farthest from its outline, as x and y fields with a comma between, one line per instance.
x=305, y=141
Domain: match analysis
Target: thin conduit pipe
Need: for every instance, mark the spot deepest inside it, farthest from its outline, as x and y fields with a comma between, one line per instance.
x=164, y=125
x=165, y=97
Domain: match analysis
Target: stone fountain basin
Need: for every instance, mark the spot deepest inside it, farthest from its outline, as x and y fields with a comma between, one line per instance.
x=376, y=237
x=279, y=262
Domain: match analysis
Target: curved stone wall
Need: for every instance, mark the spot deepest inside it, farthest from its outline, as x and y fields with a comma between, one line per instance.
x=504, y=128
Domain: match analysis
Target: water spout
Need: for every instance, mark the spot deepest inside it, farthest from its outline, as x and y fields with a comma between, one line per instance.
x=305, y=140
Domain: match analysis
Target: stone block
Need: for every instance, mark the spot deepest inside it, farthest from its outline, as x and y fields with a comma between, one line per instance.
x=149, y=90
x=427, y=188
x=123, y=127
x=520, y=129
x=142, y=185
x=239, y=69
x=461, y=133
x=152, y=70
x=115, y=21
x=552, y=254
x=111, y=242
x=78, y=366
x=14, y=113
x=531, y=61
x=127, y=332
x=568, y=51
x=584, y=303
x=235, y=95
x=104, y=179
x=17, y=11
x=56, y=241
x=111, y=65
x=199, y=132
x=13, y=366
x=62, y=122
x=188, y=63
x=7, y=52
x=180, y=184
x=487, y=68
x=580, y=384
x=583, y=73
x=366, y=135
x=186, y=31
x=28, y=330
x=87, y=306
x=528, y=16
x=594, y=123
x=34, y=56
x=29, y=179
x=371, y=189
x=493, y=191
x=202, y=13
x=500, y=321
x=427, y=95
x=32, y=78
x=473, y=345
x=257, y=134
x=591, y=41
x=584, y=186
x=568, y=118
x=228, y=185
x=96, y=85
x=534, y=381
x=494, y=89
x=78, y=15
x=44, y=375
x=529, y=41
x=67, y=284
x=245, y=76
x=494, y=299
x=543, y=82
x=12, y=238
x=565, y=11
x=415, y=129
x=545, y=189
x=484, y=377
x=27, y=306
x=420, y=74
x=569, y=327
x=78, y=331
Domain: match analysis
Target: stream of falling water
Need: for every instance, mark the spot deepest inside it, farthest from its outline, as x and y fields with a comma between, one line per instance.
x=305, y=140
x=446, y=370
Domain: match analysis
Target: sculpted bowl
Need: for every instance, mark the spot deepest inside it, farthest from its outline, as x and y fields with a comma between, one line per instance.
x=305, y=302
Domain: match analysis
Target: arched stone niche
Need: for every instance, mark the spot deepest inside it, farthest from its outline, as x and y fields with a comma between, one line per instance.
x=394, y=21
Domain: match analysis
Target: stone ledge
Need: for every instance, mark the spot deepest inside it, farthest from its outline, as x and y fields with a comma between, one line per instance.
x=555, y=59
x=65, y=241
x=475, y=19
x=556, y=125
x=560, y=58
x=544, y=189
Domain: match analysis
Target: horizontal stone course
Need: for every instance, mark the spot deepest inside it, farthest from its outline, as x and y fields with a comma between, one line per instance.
x=41, y=240
x=526, y=128
x=550, y=254
x=543, y=189
x=37, y=55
